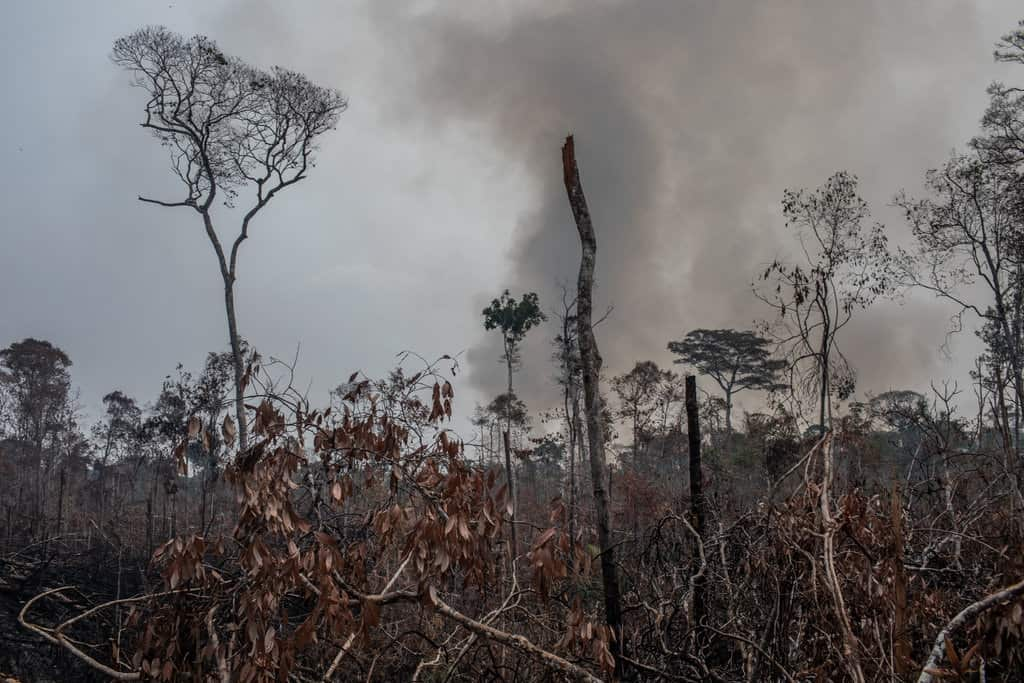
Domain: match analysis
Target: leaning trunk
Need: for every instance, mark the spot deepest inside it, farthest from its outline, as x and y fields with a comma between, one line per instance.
x=591, y=363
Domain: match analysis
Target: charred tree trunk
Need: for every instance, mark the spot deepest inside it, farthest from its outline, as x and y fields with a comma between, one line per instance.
x=227, y=273
x=236, y=358
x=149, y=526
x=60, y=501
x=202, y=501
x=574, y=436
x=823, y=369
x=506, y=438
x=696, y=492
x=513, y=490
x=901, y=636
x=590, y=359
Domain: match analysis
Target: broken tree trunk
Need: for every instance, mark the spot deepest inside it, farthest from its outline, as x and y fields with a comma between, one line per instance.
x=590, y=359
x=696, y=492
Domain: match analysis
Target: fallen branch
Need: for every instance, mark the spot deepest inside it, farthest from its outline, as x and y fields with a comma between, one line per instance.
x=58, y=638
x=518, y=642
x=968, y=613
x=382, y=596
x=59, y=629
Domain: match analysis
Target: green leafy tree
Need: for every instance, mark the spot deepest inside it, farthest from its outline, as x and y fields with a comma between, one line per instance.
x=736, y=360
x=513, y=319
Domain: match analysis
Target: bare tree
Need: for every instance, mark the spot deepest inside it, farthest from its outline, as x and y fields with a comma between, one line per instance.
x=590, y=360
x=846, y=266
x=969, y=233
x=640, y=393
x=228, y=126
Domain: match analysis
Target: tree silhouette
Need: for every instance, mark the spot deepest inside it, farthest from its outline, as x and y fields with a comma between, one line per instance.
x=736, y=360
x=846, y=266
x=639, y=392
x=513, y=319
x=228, y=126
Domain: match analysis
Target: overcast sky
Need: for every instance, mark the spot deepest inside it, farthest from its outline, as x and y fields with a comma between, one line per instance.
x=441, y=186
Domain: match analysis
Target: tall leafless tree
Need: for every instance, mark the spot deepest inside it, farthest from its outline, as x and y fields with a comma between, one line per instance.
x=590, y=360
x=228, y=127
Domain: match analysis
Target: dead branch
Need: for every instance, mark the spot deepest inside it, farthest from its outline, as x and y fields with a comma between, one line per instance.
x=518, y=642
x=379, y=597
x=57, y=638
x=965, y=615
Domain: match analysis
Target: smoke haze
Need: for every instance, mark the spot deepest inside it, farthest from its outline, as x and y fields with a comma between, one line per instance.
x=442, y=187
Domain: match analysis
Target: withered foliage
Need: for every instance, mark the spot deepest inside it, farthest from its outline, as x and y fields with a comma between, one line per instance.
x=366, y=543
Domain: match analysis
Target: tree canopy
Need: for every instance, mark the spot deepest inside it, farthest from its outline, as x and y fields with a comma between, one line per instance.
x=736, y=360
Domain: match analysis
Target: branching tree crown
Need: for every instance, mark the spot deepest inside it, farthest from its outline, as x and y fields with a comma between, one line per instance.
x=513, y=319
x=734, y=359
x=846, y=266
x=640, y=392
x=227, y=126
x=1002, y=138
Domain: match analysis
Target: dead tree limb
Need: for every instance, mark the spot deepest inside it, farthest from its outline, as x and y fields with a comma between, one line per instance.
x=58, y=638
x=747, y=641
x=518, y=642
x=590, y=360
x=56, y=635
x=379, y=597
x=968, y=613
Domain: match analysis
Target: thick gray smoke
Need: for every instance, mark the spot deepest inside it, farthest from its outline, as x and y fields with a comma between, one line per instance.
x=691, y=118
x=442, y=187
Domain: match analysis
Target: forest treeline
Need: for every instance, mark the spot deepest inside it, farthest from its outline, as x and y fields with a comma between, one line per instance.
x=640, y=526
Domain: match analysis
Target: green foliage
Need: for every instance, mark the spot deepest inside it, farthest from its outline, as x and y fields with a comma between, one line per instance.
x=513, y=318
